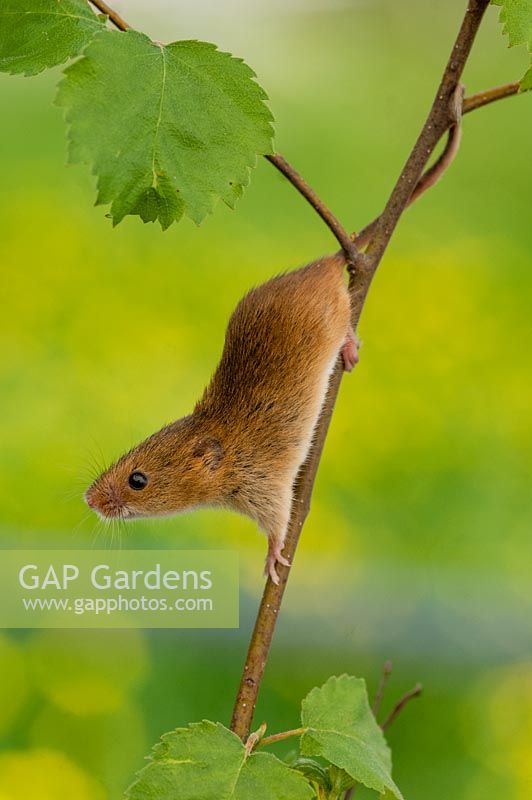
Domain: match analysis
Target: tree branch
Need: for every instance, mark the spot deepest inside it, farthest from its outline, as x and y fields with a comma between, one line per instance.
x=439, y=119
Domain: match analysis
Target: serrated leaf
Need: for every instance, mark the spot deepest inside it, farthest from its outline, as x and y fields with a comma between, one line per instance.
x=342, y=729
x=526, y=82
x=169, y=129
x=516, y=19
x=206, y=761
x=36, y=34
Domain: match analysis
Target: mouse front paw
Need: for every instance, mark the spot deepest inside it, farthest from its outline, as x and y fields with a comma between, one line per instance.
x=350, y=350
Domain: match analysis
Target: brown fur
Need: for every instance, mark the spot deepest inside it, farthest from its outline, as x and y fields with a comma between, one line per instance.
x=247, y=437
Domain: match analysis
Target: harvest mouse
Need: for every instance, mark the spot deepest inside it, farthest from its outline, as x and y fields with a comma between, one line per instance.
x=243, y=444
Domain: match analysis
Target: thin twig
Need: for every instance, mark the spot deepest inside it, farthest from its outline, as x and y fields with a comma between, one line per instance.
x=398, y=707
x=379, y=694
x=344, y=238
x=440, y=118
x=115, y=18
x=490, y=96
x=279, y=737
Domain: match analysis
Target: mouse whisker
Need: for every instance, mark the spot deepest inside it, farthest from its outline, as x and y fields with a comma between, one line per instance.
x=99, y=456
x=77, y=529
x=97, y=531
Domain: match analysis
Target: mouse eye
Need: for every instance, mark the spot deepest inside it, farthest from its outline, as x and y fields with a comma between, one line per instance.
x=137, y=480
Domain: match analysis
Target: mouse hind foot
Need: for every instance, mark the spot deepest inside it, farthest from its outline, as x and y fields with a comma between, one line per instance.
x=274, y=557
x=276, y=502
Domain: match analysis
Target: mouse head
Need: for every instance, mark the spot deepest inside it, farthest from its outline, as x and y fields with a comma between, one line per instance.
x=175, y=469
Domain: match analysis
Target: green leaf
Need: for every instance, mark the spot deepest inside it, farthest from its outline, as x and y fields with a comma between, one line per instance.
x=36, y=34
x=516, y=19
x=208, y=762
x=169, y=129
x=264, y=777
x=342, y=729
x=526, y=81
x=340, y=780
x=313, y=770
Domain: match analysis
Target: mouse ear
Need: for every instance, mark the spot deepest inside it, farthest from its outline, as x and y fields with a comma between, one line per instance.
x=210, y=451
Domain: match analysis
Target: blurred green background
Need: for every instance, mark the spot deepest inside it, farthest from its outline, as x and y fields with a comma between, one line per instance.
x=418, y=547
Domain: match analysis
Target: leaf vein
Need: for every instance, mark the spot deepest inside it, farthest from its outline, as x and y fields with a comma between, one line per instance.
x=158, y=125
x=87, y=19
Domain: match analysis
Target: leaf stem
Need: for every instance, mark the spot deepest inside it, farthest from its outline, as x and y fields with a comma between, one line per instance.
x=278, y=737
x=254, y=738
x=115, y=18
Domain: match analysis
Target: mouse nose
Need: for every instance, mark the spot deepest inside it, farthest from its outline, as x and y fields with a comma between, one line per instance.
x=89, y=499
